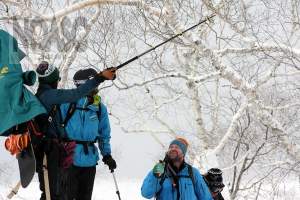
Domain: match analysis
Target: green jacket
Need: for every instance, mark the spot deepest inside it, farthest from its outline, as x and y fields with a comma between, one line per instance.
x=17, y=104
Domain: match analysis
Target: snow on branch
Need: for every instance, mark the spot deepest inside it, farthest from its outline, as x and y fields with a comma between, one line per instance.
x=292, y=148
x=143, y=131
x=89, y=3
x=74, y=50
x=196, y=79
x=265, y=117
x=281, y=107
x=230, y=131
x=216, y=9
x=85, y=4
x=157, y=107
x=264, y=47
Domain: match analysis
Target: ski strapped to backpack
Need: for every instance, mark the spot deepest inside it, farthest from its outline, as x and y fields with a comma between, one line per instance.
x=175, y=178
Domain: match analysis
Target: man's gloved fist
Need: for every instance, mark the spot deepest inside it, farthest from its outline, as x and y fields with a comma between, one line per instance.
x=109, y=73
x=159, y=169
x=110, y=162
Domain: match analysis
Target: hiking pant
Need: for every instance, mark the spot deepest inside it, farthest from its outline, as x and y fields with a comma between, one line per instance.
x=81, y=182
x=58, y=177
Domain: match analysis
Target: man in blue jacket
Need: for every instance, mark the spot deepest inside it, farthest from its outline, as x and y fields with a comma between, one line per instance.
x=51, y=98
x=174, y=179
x=87, y=124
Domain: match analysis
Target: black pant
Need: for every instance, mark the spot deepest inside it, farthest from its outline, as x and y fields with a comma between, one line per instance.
x=57, y=176
x=81, y=182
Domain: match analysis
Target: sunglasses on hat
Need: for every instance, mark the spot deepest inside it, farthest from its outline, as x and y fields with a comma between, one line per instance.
x=217, y=190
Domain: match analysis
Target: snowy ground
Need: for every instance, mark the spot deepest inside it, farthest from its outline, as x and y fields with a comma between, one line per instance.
x=134, y=162
x=103, y=190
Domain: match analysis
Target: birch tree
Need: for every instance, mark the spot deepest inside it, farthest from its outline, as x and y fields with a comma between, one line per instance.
x=231, y=86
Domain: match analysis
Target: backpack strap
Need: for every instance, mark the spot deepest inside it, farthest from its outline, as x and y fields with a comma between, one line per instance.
x=191, y=175
x=161, y=182
x=99, y=112
x=169, y=174
x=52, y=113
x=85, y=145
x=70, y=112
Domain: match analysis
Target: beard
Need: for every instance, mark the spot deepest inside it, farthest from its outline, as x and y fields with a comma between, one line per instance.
x=174, y=156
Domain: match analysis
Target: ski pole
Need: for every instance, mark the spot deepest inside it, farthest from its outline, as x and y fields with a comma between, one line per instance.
x=46, y=177
x=175, y=36
x=117, y=188
x=14, y=191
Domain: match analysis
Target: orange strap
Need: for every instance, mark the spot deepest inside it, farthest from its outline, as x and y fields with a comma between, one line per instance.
x=16, y=143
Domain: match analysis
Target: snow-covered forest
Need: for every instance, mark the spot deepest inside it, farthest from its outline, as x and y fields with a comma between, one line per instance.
x=231, y=85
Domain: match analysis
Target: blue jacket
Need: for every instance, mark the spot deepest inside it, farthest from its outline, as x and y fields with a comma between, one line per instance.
x=50, y=97
x=151, y=186
x=88, y=124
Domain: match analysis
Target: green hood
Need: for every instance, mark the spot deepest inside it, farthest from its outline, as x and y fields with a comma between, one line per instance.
x=17, y=103
x=9, y=50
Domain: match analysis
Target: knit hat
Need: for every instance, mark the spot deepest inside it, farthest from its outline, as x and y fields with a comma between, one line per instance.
x=47, y=73
x=214, y=179
x=81, y=76
x=182, y=143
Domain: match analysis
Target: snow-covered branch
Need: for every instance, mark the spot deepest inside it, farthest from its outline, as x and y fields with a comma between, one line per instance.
x=288, y=106
x=157, y=107
x=89, y=3
x=293, y=149
x=71, y=55
x=196, y=79
x=230, y=131
x=264, y=47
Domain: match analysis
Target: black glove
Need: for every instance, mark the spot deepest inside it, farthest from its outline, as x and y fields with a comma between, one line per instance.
x=110, y=162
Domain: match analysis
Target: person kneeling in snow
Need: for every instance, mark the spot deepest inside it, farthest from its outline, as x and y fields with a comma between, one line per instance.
x=87, y=124
x=174, y=179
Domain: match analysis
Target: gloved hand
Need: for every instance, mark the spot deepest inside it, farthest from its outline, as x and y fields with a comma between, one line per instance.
x=68, y=152
x=110, y=162
x=109, y=73
x=159, y=169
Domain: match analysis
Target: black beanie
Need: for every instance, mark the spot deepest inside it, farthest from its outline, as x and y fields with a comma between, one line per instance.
x=214, y=179
x=47, y=73
x=81, y=76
